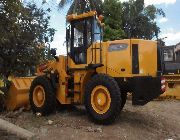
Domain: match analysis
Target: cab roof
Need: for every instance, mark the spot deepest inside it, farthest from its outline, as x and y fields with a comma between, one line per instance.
x=73, y=17
x=81, y=16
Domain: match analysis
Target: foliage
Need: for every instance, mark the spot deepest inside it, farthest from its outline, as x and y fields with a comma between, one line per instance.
x=111, y=9
x=139, y=21
x=113, y=22
x=24, y=34
x=131, y=19
x=79, y=6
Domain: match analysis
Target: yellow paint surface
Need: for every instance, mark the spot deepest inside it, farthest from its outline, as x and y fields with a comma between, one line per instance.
x=172, y=93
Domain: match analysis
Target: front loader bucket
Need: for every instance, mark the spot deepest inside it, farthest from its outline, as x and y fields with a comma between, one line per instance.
x=18, y=95
x=172, y=87
x=172, y=93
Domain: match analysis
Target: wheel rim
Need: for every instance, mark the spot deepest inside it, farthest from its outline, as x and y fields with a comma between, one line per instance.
x=38, y=96
x=100, y=99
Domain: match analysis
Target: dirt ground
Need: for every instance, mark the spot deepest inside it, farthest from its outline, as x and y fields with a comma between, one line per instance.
x=157, y=120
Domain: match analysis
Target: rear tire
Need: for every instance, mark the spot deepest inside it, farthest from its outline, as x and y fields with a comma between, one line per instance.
x=42, y=97
x=103, y=99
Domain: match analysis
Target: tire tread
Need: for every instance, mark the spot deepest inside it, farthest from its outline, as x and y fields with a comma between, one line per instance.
x=114, y=111
x=50, y=99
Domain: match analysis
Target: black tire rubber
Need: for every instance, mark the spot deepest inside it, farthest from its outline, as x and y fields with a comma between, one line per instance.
x=115, y=94
x=124, y=98
x=50, y=99
x=2, y=102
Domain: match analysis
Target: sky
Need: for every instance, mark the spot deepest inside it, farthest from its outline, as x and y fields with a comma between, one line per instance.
x=170, y=25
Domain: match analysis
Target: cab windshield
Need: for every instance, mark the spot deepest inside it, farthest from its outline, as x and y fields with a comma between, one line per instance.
x=81, y=34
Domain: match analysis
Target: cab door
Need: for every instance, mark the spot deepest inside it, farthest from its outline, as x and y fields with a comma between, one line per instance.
x=80, y=38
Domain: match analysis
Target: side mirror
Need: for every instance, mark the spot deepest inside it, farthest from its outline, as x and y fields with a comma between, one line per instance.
x=53, y=52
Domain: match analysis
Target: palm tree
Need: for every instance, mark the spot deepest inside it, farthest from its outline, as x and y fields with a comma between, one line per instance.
x=81, y=6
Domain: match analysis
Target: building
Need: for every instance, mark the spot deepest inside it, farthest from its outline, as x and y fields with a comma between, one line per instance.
x=171, y=61
x=168, y=52
x=177, y=52
x=172, y=53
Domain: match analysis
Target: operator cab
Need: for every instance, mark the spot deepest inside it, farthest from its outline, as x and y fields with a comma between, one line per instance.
x=83, y=30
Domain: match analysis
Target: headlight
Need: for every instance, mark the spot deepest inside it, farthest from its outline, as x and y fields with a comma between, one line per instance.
x=117, y=47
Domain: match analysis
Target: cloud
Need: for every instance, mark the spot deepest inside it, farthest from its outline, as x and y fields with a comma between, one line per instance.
x=163, y=20
x=149, y=2
x=156, y=2
x=171, y=37
x=58, y=43
x=57, y=1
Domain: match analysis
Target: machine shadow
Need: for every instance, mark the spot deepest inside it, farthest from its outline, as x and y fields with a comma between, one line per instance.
x=127, y=117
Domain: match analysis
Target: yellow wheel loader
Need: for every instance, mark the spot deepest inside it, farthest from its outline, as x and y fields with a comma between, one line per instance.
x=172, y=87
x=171, y=72
x=97, y=74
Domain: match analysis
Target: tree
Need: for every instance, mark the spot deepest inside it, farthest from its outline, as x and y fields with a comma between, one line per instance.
x=111, y=9
x=113, y=21
x=79, y=6
x=123, y=20
x=139, y=21
x=23, y=32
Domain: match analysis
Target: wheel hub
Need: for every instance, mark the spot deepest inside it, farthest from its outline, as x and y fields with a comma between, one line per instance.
x=100, y=99
x=38, y=96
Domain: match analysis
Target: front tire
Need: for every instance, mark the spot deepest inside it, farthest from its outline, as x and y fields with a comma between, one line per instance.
x=103, y=99
x=42, y=97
